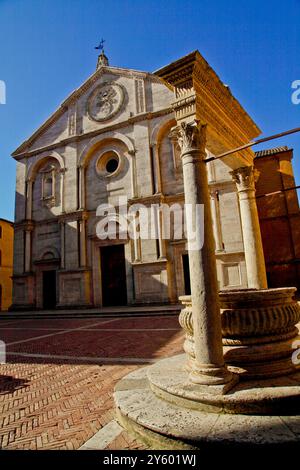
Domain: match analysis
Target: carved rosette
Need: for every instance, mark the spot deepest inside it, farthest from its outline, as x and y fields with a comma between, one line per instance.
x=258, y=329
x=244, y=178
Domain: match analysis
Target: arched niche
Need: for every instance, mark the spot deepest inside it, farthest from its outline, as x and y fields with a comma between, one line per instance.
x=42, y=161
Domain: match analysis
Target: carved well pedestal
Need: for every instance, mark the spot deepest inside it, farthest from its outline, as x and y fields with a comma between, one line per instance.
x=258, y=329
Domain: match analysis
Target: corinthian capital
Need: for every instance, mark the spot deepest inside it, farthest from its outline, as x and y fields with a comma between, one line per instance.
x=191, y=136
x=244, y=178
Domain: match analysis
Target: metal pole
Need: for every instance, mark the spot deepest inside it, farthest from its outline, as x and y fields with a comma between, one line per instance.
x=253, y=142
x=279, y=191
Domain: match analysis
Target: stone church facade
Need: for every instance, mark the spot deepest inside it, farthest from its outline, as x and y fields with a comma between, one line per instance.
x=111, y=137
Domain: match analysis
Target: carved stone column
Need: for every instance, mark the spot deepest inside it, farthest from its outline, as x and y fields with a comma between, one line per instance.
x=133, y=181
x=81, y=184
x=161, y=239
x=156, y=162
x=136, y=240
x=62, y=244
x=82, y=233
x=209, y=367
x=254, y=255
x=28, y=246
x=62, y=188
x=216, y=219
x=30, y=182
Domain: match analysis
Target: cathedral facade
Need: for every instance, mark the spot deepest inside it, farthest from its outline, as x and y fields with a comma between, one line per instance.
x=111, y=138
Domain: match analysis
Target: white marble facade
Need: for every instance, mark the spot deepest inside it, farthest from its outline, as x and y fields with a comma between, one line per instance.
x=110, y=138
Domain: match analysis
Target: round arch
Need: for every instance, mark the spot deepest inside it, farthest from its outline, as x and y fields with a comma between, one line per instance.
x=34, y=167
x=48, y=250
x=160, y=130
x=94, y=143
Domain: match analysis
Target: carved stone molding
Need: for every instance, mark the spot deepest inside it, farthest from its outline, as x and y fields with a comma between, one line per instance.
x=244, y=178
x=73, y=216
x=200, y=93
x=258, y=329
x=191, y=137
x=27, y=225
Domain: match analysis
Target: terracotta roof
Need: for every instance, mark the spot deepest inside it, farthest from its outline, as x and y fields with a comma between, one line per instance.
x=265, y=153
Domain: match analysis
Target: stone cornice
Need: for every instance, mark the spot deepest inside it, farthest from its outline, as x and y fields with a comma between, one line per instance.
x=27, y=225
x=219, y=184
x=200, y=94
x=73, y=216
x=112, y=127
x=157, y=198
x=148, y=263
x=64, y=217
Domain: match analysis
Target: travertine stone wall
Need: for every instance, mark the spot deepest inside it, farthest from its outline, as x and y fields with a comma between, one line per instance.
x=62, y=235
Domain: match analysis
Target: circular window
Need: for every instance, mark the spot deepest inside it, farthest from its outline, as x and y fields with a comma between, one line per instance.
x=112, y=165
x=108, y=164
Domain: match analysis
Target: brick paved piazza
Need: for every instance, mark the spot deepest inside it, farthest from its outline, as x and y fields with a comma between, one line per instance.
x=56, y=387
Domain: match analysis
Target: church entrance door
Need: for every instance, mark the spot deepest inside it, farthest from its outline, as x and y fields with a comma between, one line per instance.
x=113, y=274
x=49, y=289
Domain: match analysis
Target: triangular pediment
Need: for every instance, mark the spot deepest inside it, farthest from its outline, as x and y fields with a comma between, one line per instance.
x=111, y=95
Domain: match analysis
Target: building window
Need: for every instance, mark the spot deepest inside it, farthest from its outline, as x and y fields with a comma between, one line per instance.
x=0, y=231
x=108, y=164
x=112, y=165
x=48, y=184
x=0, y=258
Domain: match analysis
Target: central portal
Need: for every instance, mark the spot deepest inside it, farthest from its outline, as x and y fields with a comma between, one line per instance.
x=49, y=290
x=113, y=274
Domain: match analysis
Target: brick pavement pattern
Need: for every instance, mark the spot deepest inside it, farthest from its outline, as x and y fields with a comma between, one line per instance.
x=50, y=402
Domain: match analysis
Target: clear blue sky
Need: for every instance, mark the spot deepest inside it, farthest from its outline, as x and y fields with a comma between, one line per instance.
x=47, y=50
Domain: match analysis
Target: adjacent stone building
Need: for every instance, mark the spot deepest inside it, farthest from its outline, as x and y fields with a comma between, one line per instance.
x=6, y=263
x=111, y=138
x=279, y=215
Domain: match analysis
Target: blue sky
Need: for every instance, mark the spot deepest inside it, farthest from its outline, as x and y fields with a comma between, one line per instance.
x=47, y=50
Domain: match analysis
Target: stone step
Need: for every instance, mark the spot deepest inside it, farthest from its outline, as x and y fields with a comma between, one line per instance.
x=151, y=310
x=256, y=418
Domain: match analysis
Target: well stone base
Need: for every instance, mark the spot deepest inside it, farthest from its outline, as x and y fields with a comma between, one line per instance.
x=258, y=328
x=160, y=407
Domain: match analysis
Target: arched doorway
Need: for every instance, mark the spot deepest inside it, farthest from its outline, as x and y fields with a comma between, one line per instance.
x=113, y=275
x=46, y=274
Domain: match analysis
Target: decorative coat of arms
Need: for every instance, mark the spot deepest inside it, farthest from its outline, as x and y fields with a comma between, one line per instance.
x=105, y=101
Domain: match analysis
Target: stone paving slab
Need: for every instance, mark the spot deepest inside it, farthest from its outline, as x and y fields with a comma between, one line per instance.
x=53, y=403
x=130, y=344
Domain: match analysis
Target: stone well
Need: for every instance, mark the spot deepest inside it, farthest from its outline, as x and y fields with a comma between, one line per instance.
x=258, y=329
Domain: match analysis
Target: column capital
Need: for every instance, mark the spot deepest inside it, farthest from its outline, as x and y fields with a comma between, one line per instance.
x=191, y=137
x=244, y=178
x=214, y=193
x=30, y=179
